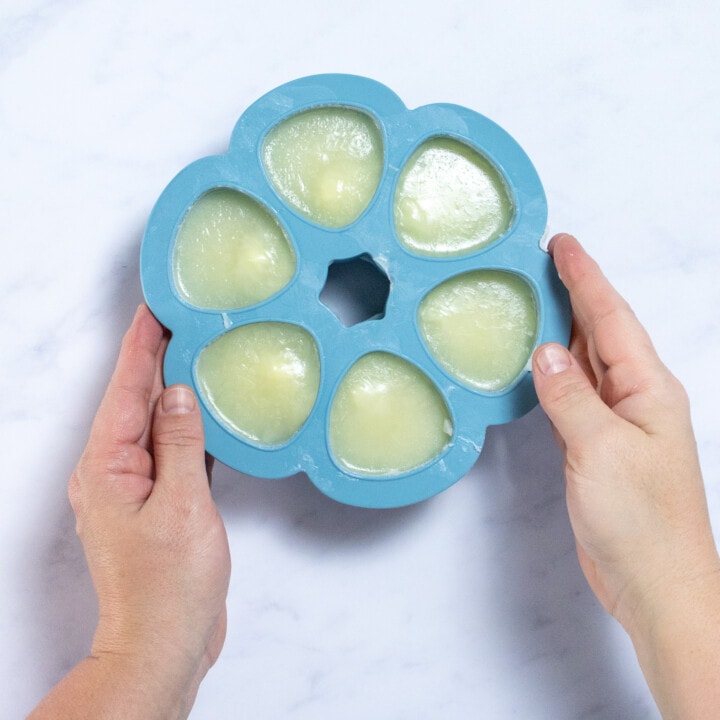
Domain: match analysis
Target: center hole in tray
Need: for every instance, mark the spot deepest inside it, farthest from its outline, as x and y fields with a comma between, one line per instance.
x=356, y=289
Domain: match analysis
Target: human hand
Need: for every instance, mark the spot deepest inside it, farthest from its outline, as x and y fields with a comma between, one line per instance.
x=155, y=545
x=635, y=493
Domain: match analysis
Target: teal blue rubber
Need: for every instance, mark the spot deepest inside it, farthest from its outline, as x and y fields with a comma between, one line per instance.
x=373, y=233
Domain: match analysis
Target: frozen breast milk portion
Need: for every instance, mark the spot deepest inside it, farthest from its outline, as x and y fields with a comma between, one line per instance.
x=261, y=379
x=481, y=326
x=326, y=163
x=387, y=417
x=450, y=200
x=230, y=252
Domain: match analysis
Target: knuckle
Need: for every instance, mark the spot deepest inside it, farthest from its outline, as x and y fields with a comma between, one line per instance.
x=567, y=392
x=668, y=392
x=179, y=434
x=677, y=392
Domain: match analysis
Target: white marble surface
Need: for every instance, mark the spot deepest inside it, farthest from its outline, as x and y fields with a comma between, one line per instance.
x=468, y=605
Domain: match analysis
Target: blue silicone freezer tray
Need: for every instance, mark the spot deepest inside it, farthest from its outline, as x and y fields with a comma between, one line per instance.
x=372, y=234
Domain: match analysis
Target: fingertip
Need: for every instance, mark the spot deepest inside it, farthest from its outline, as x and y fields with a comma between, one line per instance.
x=557, y=239
x=177, y=400
x=142, y=309
x=552, y=372
x=565, y=393
x=551, y=359
x=145, y=332
x=144, y=318
x=141, y=315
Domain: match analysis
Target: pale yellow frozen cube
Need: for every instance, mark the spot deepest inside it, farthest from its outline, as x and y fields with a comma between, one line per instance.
x=261, y=379
x=450, y=200
x=230, y=252
x=326, y=163
x=481, y=326
x=387, y=417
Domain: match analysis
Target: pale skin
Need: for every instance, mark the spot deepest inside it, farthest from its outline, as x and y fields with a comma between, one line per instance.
x=155, y=545
x=158, y=553
x=635, y=493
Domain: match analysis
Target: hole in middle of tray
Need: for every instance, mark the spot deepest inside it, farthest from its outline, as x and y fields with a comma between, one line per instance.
x=356, y=290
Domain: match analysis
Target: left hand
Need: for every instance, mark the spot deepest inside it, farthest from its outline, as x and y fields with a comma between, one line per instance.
x=155, y=544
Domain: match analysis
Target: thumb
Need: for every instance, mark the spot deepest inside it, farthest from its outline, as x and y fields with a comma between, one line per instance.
x=178, y=440
x=566, y=395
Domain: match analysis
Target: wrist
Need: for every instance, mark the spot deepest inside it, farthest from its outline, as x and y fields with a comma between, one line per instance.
x=116, y=687
x=167, y=678
x=675, y=629
x=144, y=685
x=666, y=576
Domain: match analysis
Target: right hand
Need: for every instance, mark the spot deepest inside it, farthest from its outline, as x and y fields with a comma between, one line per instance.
x=635, y=493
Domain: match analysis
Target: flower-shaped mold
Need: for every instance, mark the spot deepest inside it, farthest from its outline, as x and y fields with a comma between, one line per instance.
x=437, y=205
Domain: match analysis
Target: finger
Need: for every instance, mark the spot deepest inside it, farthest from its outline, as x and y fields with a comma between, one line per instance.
x=625, y=364
x=567, y=396
x=114, y=452
x=579, y=348
x=603, y=316
x=179, y=444
x=123, y=417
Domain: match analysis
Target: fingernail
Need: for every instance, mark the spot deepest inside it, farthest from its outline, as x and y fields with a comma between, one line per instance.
x=552, y=359
x=178, y=400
